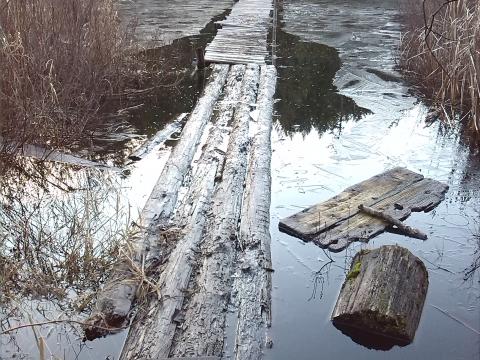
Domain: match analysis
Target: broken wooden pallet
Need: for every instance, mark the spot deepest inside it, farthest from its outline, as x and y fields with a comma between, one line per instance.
x=337, y=222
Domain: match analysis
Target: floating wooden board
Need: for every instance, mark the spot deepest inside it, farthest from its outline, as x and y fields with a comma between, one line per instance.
x=337, y=222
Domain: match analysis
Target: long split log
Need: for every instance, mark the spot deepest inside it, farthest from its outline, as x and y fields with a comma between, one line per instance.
x=154, y=327
x=382, y=298
x=115, y=300
x=202, y=332
x=252, y=285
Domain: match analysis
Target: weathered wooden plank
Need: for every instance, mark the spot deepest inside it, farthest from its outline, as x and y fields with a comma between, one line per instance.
x=114, y=301
x=154, y=327
x=421, y=196
x=202, y=332
x=382, y=296
x=252, y=285
x=337, y=222
x=317, y=218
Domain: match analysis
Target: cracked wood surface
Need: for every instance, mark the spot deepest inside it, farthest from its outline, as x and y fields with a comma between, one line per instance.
x=252, y=284
x=202, y=331
x=115, y=300
x=383, y=294
x=152, y=332
x=337, y=222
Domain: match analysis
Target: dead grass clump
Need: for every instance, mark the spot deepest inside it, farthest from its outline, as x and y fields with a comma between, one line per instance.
x=57, y=59
x=56, y=243
x=440, y=54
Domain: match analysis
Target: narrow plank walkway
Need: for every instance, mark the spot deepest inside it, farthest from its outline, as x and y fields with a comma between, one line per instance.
x=200, y=275
x=220, y=258
x=243, y=36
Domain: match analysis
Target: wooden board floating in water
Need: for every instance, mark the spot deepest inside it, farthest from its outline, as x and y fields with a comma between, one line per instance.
x=337, y=222
x=243, y=36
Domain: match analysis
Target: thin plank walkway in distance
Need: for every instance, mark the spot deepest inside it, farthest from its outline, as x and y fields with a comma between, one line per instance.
x=337, y=222
x=243, y=36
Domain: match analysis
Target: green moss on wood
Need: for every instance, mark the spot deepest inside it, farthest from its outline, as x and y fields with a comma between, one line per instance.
x=355, y=271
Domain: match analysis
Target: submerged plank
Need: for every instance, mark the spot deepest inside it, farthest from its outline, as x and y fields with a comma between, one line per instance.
x=337, y=222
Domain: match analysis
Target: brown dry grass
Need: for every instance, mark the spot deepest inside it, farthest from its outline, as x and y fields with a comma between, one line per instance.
x=58, y=59
x=440, y=54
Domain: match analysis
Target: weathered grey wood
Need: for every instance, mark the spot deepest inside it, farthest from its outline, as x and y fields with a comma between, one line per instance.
x=154, y=327
x=202, y=332
x=317, y=218
x=405, y=229
x=159, y=138
x=252, y=285
x=114, y=301
x=243, y=36
x=161, y=203
x=383, y=294
x=424, y=195
x=337, y=222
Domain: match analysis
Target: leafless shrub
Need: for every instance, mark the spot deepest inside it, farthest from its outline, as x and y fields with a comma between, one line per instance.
x=60, y=235
x=440, y=53
x=58, y=61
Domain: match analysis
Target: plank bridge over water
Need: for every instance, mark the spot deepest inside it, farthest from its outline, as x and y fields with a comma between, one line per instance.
x=205, y=243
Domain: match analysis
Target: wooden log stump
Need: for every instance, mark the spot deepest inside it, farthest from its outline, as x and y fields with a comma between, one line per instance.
x=382, y=298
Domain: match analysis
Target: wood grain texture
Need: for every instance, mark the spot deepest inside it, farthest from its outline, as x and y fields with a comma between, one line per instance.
x=383, y=294
x=152, y=332
x=202, y=331
x=337, y=222
x=252, y=284
x=116, y=297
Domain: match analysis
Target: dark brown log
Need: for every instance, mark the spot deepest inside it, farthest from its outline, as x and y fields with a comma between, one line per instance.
x=382, y=298
x=407, y=230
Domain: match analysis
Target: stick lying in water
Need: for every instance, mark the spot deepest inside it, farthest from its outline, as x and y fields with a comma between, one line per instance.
x=415, y=233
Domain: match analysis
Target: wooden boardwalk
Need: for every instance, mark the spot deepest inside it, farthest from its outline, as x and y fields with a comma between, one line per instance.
x=202, y=257
x=242, y=38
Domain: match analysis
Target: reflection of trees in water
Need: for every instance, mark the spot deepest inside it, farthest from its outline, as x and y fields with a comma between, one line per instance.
x=308, y=98
x=60, y=228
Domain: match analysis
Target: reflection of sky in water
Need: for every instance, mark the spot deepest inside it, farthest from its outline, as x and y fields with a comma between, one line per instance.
x=311, y=166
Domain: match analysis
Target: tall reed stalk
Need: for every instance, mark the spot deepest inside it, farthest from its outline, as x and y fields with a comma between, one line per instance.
x=58, y=58
x=440, y=53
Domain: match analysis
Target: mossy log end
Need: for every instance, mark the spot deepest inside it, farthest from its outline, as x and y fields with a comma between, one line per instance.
x=382, y=298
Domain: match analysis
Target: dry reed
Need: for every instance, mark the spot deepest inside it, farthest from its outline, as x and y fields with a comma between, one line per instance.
x=440, y=54
x=58, y=59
